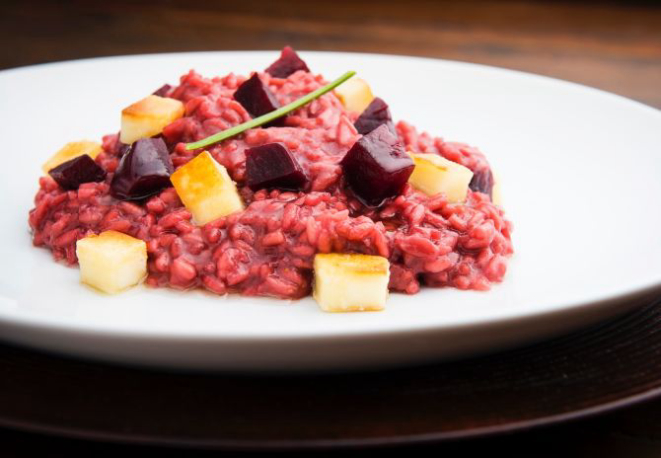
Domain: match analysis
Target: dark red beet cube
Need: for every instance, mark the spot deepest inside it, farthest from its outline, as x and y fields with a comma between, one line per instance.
x=257, y=99
x=482, y=181
x=377, y=166
x=122, y=148
x=376, y=113
x=288, y=63
x=163, y=91
x=144, y=170
x=273, y=166
x=76, y=171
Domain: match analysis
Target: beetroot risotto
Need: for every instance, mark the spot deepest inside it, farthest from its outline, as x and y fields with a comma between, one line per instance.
x=277, y=184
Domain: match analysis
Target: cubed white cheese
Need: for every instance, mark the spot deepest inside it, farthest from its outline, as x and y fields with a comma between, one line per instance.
x=206, y=189
x=70, y=151
x=148, y=117
x=497, y=190
x=351, y=282
x=111, y=261
x=355, y=94
x=434, y=174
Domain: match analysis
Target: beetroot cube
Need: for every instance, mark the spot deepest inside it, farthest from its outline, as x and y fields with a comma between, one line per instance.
x=288, y=63
x=482, y=181
x=79, y=170
x=144, y=170
x=122, y=148
x=273, y=166
x=373, y=116
x=377, y=166
x=258, y=99
x=163, y=91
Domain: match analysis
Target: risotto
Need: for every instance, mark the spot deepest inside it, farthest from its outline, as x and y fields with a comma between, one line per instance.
x=267, y=245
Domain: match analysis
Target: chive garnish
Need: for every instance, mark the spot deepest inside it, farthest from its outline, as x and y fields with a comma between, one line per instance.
x=268, y=117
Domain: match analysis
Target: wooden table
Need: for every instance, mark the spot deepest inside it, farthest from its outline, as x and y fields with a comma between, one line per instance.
x=610, y=45
x=603, y=44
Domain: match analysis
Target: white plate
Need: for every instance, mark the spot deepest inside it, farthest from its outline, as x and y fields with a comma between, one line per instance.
x=580, y=170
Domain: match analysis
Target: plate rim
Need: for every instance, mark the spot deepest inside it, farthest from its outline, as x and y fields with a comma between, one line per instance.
x=47, y=323
x=325, y=52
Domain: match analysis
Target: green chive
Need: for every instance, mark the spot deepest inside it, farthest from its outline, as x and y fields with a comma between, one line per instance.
x=268, y=117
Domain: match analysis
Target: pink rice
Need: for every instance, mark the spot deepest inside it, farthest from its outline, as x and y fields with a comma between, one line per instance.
x=267, y=250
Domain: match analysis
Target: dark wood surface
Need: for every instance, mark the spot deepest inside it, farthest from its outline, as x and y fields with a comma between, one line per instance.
x=587, y=372
x=614, y=46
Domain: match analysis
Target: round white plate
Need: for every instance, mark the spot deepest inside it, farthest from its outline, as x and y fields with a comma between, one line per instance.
x=580, y=171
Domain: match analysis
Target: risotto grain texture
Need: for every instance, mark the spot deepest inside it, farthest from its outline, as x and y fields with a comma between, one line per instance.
x=268, y=249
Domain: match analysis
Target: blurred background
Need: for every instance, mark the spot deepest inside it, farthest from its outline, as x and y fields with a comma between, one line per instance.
x=612, y=45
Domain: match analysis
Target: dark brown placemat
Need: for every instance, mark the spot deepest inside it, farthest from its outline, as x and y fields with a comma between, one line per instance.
x=605, y=366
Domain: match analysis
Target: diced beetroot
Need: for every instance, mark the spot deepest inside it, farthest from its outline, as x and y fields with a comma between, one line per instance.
x=258, y=99
x=144, y=170
x=377, y=166
x=79, y=170
x=163, y=91
x=482, y=181
x=273, y=166
x=373, y=116
x=288, y=63
x=123, y=148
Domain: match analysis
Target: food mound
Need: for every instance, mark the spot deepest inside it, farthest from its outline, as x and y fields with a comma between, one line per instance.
x=332, y=197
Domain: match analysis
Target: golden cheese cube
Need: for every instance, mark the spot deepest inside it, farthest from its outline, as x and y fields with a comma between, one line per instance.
x=70, y=151
x=351, y=282
x=206, y=189
x=111, y=261
x=148, y=117
x=434, y=174
x=355, y=94
x=497, y=190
